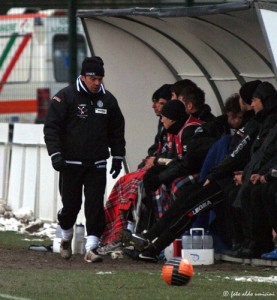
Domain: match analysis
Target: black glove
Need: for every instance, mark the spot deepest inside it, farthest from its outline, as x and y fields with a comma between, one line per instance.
x=116, y=167
x=151, y=182
x=58, y=162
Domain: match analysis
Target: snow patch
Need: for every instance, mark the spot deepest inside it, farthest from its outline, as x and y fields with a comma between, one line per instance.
x=269, y=279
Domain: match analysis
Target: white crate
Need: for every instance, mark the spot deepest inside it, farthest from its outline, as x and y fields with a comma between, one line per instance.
x=199, y=256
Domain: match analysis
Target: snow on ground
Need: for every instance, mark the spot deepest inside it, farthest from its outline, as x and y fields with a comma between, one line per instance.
x=268, y=279
x=22, y=221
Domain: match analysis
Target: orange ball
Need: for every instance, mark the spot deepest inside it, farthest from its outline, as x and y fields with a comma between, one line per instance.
x=177, y=271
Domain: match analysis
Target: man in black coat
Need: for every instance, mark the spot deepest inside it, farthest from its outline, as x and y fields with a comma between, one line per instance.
x=83, y=122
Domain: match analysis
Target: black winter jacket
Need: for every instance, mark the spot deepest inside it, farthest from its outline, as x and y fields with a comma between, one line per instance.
x=254, y=134
x=83, y=126
x=261, y=162
x=204, y=114
x=179, y=167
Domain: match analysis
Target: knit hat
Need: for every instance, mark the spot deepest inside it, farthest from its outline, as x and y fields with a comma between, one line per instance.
x=174, y=110
x=247, y=90
x=93, y=66
x=266, y=92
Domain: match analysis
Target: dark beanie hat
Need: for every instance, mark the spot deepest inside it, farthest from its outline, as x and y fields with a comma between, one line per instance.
x=174, y=110
x=247, y=90
x=93, y=66
x=266, y=92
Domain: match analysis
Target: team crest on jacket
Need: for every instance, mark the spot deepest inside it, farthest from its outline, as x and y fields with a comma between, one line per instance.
x=57, y=99
x=82, y=111
x=100, y=103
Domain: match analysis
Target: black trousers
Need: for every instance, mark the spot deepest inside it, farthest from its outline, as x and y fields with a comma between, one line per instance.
x=194, y=200
x=233, y=217
x=264, y=214
x=73, y=181
x=226, y=224
x=269, y=199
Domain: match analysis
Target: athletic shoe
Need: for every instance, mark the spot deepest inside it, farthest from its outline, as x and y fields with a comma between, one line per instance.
x=134, y=254
x=137, y=240
x=146, y=255
x=114, y=246
x=92, y=256
x=233, y=251
x=125, y=236
x=271, y=255
x=65, y=249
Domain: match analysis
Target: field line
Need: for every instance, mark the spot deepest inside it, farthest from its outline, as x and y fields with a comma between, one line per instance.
x=12, y=297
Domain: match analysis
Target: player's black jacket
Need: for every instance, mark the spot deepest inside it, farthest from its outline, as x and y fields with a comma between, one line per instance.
x=254, y=134
x=83, y=126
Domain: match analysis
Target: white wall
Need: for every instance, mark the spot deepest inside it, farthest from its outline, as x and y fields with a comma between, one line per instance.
x=4, y=159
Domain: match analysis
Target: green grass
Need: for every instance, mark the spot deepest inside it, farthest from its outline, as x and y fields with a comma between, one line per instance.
x=52, y=284
x=11, y=239
x=78, y=284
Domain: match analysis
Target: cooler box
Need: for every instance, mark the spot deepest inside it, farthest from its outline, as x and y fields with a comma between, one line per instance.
x=198, y=252
x=199, y=256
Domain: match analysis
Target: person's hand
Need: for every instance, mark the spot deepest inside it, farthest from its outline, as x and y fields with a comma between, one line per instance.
x=116, y=167
x=206, y=182
x=255, y=178
x=58, y=162
x=238, y=177
x=263, y=179
x=149, y=162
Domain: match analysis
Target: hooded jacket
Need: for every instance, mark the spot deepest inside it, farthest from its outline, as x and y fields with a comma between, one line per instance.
x=204, y=114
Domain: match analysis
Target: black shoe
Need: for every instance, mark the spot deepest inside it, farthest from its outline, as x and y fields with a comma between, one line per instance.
x=233, y=251
x=255, y=250
x=251, y=250
x=134, y=254
x=137, y=240
x=146, y=255
x=240, y=248
x=250, y=253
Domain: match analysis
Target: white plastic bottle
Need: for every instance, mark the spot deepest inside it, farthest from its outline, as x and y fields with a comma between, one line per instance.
x=197, y=239
x=78, y=239
x=208, y=240
x=58, y=231
x=57, y=239
x=186, y=240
